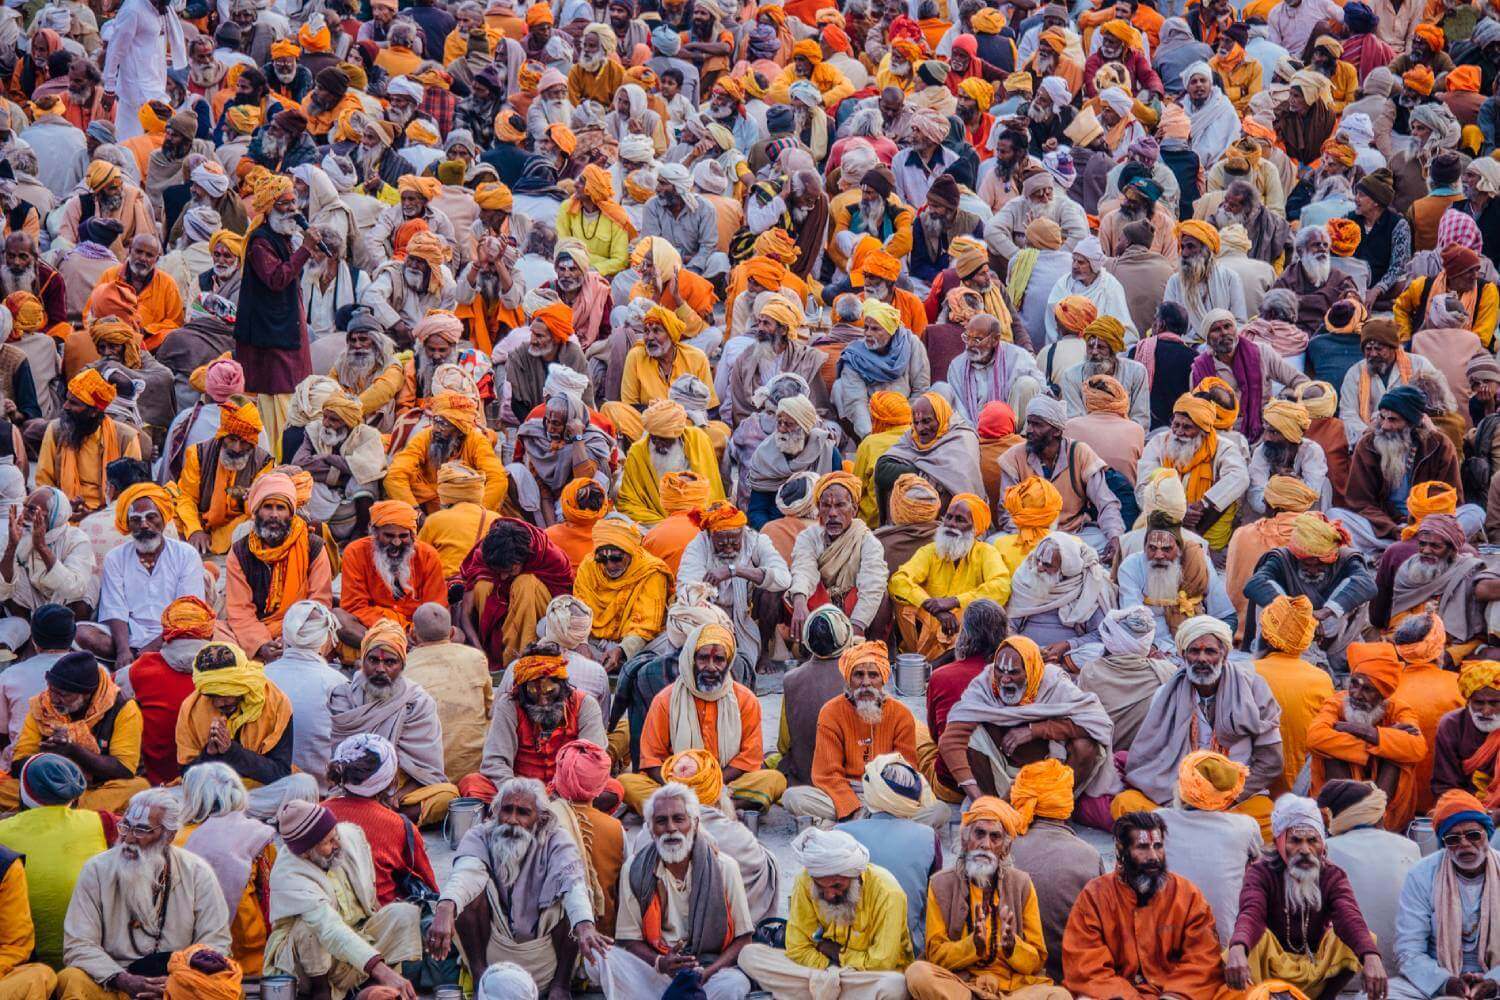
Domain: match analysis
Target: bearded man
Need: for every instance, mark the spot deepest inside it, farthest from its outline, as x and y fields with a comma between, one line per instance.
x=1402, y=448
x=1008, y=233
x=368, y=370
x=671, y=445
x=846, y=928
x=984, y=922
x=1142, y=930
x=216, y=478
x=1448, y=573
x=453, y=435
x=889, y=357
x=1213, y=470
x=1022, y=710
x=1243, y=722
x=346, y=459
x=278, y=563
x=82, y=441
x=1299, y=922
x=435, y=340
x=107, y=195
x=748, y=573
x=415, y=197
x=234, y=716
x=1266, y=229
x=1248, y=368
x=859, y=724
x=1286, y=450
x=778, y=320
x=137, y=900
x=328, y=929
x=840, y=561
x=626, y=588
x=1365, y=734
x=932, y=589
x=388, y=574
x=582, y=289
x=1073, y=468
x=800, y=443
x=1123, y=670
x=1313, y=278
x=661, y=358
x=1060, y=593
x=1386, y=365
x=25, y=272
x=551, y=343
x=1104, y=346
x=518, y=893
x=1140, y=201
x=1463, y=756
x=1174, y=578
x=402, y=292
x=991, y=368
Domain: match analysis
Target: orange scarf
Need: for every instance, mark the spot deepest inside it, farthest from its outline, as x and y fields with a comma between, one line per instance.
x=1403, y=365
x=68, y=479
x=1483, y=761
x=80, y=731
x=1198, y=474
x=289, y=566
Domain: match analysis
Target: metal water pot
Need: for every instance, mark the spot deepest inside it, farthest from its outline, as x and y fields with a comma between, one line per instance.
x=911, y=675
x=278, y=988
x=463, y=815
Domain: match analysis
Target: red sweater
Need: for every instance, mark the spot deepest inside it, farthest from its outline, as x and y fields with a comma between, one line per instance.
x=160, y=692
x=385, y=829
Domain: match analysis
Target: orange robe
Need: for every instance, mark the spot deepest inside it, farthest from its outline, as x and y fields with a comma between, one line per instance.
x=158, y=306
x=250, y=630
x=656, y=731
x=1248, y=543
x=367, y=597
x=669, y=538
x=1300, y=689
x=576, y=540
x=1398, y=747
x=845, y=743
x=1432, y=692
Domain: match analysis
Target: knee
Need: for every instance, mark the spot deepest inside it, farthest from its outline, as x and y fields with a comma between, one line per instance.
x=75, y=984
x=1085, y=753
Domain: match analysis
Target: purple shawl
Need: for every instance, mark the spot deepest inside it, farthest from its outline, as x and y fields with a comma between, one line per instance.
x=1247, y=375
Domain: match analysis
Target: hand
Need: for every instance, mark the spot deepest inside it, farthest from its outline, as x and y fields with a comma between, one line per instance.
x=1049, y=145
x=1455, y=987
x=829, y=950
x=218, y=738
x=269, y=651
x=124, y=657
x=1323, y=614
x=1407, y=728
x=718, y=575
x=1237, y=968
x=57, y=741
x=799, y=616
x=1375, y=978
x=1007, y=929
x=674, y=961
x=613, y=660
x=200, y=541
x=1484, y=988
x=592, y=945
x=949, y=621
x=141, y=987
x=11, y=411
x=1015, y=739
x=1111, y=551
x=1193, y=516
x=388, y=977
x=1357, y=729
x=440, y=931
x=14, y=528
x=1055, y=652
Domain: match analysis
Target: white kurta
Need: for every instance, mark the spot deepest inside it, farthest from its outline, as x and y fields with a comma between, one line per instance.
x=143, y=45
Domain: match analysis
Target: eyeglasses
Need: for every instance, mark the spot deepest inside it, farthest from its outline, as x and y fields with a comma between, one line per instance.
x=1466, y=837
x=138, y=830
x=609, y=557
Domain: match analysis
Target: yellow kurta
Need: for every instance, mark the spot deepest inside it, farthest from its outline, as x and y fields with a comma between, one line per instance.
x=1012, y=552
x=982, y=573
x=454, y=531
x=191, y=520
x=1486, y=311
x=635, y=604
x=640, y=493
x=90, y=463
x=865, y=457
x=412, y=479
x=641, y=383
x=1300, y=689
x=876, y=941
x=1023, y=967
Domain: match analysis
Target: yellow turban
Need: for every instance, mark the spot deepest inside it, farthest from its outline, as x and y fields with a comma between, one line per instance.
x=494, y=196
x=979, y=90
x=426, y=188
x=347, y=408
x=1428, y=498
x=456, y=408
x=808, y=49
x=153, y=116
x=92, y=389
x=30, y=315
x=699, y=771
x=665, y=318
x=1033, y=505
x=267, y=190
x=1287, y=623
x=989, y=809
x=887, y=317
x=1318, y=407
x=1290, y=420
x=617, y=533
x=245, y=680
x=187, y=618
x=244, y=119
x=1124, y=31
x=457, y=483
x=534, y=668
x=1042, y=789
x=230, y=240
x=1287, y=493
x=914, y=500
x=421, y=132
x=683, y=491
x=839, y=478
x=100, y=175
x=112, y=330
x=1476, y=675
x=778, y=244
x=1314, y=536
x=1199, y=411
x=988, y=21
x=158, y=496
x=1210, y=781
x=1201, y=231
x=780, y=309
x=979, y=510
x=665, y=418
x=384, y=633
x=1031, y=659
x=1109, y=330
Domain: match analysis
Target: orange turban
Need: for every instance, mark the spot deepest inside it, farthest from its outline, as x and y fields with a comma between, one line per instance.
x=721, y=515
x=113, y=298
x=1210, y=781
x=562, y=137
x=575, y=513
x=158, y=496
x=91, y=389
x=456, y=408
x=558, y=319
x=1420, y=79
x=1340, y=153
x=665, y=418
x=1428, y=648
x=1128, y=35
x=683, y=491
x=1200, y=411
x=1042, y=789
x=187, y=618
x=882, y=265
x=384, y=633
x=777, y=244
x=989, y=809
x=27, y=311
x=315, y=41
x=979, y=510
x=1031, y=659
x=1463, y=79
x=1287, y=623
x=284, y=48
x=426, y=188
x=1201, y=231
x=1033, y=505
x=242, y=422
x=538, y=13
x=1343, y=236
x=186, y=983
x=531, y=668
x=913, y=500
x=1075, y=312
x=808, y=49
x=866, y=654
x=1104, y=393
x=1428, y=498
x=494, y=196
x=1378, y=662
x=699, y=770
x=839, y=478
x=1432, y=35
x=889, y=411
x=393, y=514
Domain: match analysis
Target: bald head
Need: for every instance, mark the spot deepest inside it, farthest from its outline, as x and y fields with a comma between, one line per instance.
x=140, y=264
x=431, y=623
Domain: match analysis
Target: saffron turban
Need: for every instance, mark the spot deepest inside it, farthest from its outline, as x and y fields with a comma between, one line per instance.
x=886, y=316
x=393, y=514
x=1200, y=411
x=1428, y=648
x=889, y=411
x=271, y=486
x=1124, y=31
x=187, y=618
x=582, y=771
x=1425, y=499
x=780, y=309
x=667, y=320
x=1199, y=626
x=187, y=983
x=318, y=40
x=683, y=491
x=1420, y=79
x=1044, y=234
x=1344, y=154
x=385, y=633
x=830, y=852
x=242, y=421
x=1287, y=623
x=532, y=668
x=570, y=508
x=778, y=244
x=1042, y=789
x=1314, y=536
x=28, y=314
x=1074, y=313
x=1431, y=34
x=159, y=497
x=91, y=389
x=1290, y=420
x=231, y=241
x=456, y=408
x=617, y=533
x=284, y=49
x=441, y=324
x=980, y=91
x=538, y=13
x=1033, y=505
x=113, y=330
x=1321, y=406
x=1201, y=231
x=721, y=515
x=1343, y=236
x=1210, y=781
x=665, y=419
x=1378, y=662
x=979, y=511
x=1105, y=394
x=866, y=654
x=699, y=771
x=268, y=189
x=1457, y=806
x=1463, y=79
x=989, y=809
x=969, y=255
x=557, y=317
x=100, y=175
x=839, y=478
x=509, y=126
x=347, y=408
x=243, y=119
x=1109, y=330
x=457, y=483
x=1287, y=493
x=244, y=679
x=1477, y=675
x=881, y=265
x=914, y=500
x=492, y=196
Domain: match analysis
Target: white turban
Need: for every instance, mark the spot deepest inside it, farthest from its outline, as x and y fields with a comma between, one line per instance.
x=566, y=622
x=1163, y=491
x=710, y=178
x=1487, y=172
x=1199, y=68
x=355, y=748
x=903, y=793
x=404, y=87
x=693, y=609
x=200, y=222
x=830, y=852
x=308, y=625
x=1118, y=101
x=1198, y=626
x=57, y=18
x=215, y=182
x=1357, y=126
x=691, y=393
x=1091, y=250
x=800, y=409
x=1214, y=316
x=1128, y=630
x=802, y=508
x=1056, y=89
x=1294, y=810
x=340, y=170
x=805, y=93
x=1047, y=410
x=565, y=381
x=677, y=175
x=637, y=149
x=505, y=981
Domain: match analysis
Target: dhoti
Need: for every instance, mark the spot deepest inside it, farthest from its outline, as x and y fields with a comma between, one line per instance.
x=627, y=976
x=813, y=802
x=294, y=948
x=1309, y=973
x=786, y=980
x=927, y=981
x=537, y=956
x=30, y=982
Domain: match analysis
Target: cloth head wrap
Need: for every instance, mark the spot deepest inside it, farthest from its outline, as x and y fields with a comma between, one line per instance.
x=1210, y=781
x=1048, y=411
x=1199, y=626
x=1105, y=394
x=1287, y=624
x=1075, y=312
x=866, y=654
x=245, y=680
x=665, y=419
x=308, y=625
x=91, y=389
x=886, y=316
x=1378, y=663
x=355, y=749
x=913, y=500
x=1296, y=811
x=582, y=771
x=1314, y=536
x=1477, y=675
x=1286, y=493
x=979, y=511
x=159, y=498
x=1457, y=806
x=989, y=809
x=1033, y=505
x=891, y=785
x=1289, y=419
x=1109, y=330
x=830, y=852
x=187, y=618
x=839, y=478
x=1042, y=789
x=384, y=633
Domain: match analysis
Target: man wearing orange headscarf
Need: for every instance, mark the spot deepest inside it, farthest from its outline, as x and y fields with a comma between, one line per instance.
x=453, y=436
x=1215, y=476
x=1288, y=627
x=626, y=587
x=583, y=502
x=1431, y=690
x=1366, y=734
x=278, y=563
x=82, y=441
x=808, y=64
x=934, y=587
x=216, y=476
x=388, y=574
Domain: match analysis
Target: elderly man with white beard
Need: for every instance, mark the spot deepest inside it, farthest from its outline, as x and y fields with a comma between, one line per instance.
x=402, y=292
x=1208, y=704
x=518, y=893
x=1250, y=369
x=1298, y=919
x=368, y=370
x=1447, y=572
x=1213, y=468
x=1385, y=365
x=1285, y=450
x=992, y=369
x=1005, y=233
x=682, y=907
x=800, y=443
x=984, y=921
x=1059, y=594
x=136, y=904
x=1104, y=347
x=748, y=574
x=671, y=445
x=1313, y=278
x=25, y=272
x=347, y=461
x=1174, y=579
x=1463, y=733
x=773, y=319
x=1202, y=285
x=932, y=589
x=846, y=927
x=328, y=930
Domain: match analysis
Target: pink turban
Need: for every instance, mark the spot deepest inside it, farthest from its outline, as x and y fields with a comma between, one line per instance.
x=223, y=379
x=271, y=485
x=582, y=770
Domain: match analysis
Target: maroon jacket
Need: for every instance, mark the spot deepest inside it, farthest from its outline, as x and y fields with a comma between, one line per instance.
x=1457, y=738
x=1140, y=71
x=53, y=293
x=1366, y=492
x=1263, y=908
